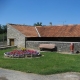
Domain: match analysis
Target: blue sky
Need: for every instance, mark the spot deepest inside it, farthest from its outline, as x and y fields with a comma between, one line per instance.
x=45, y=11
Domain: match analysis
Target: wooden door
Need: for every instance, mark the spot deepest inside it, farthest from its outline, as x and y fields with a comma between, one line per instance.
x=11, y=42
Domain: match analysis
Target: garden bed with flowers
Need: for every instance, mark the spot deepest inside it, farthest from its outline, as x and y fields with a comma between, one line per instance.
x=22, y=53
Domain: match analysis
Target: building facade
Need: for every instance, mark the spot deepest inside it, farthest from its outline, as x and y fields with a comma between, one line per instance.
x=15, y=37
x=31, y=36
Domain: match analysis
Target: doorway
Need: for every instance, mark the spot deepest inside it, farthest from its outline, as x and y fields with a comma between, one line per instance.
x=11, y=42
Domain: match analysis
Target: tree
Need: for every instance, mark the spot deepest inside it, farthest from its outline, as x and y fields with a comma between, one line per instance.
x=0, y=29
x=5, y=28
x=38, y=24
x=3, y=32
x=50, y=23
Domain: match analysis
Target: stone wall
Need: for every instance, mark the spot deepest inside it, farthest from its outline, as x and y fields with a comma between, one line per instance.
x=61, y=46
x=19, y=38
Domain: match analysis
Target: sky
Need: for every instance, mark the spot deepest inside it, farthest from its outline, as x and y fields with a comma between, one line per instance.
x=28, y=12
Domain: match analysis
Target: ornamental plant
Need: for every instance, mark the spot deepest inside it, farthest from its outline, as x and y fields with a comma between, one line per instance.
x=23, y=49
x=22, y=53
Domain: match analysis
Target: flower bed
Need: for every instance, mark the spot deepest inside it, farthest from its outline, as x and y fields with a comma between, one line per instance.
x=22, y=53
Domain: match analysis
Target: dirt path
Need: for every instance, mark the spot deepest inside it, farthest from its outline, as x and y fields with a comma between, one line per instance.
x=6, y=74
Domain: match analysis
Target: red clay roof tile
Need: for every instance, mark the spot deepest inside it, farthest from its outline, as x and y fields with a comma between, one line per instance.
x=60, y=31
x=50, y=31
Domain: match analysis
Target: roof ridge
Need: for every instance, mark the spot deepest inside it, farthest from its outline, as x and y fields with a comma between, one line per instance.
x=37, y=32
x=20, y=24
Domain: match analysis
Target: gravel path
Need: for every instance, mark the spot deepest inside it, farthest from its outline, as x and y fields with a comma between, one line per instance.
x=6, y=74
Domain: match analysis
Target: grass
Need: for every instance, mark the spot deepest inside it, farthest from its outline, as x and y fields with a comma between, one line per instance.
x=50, y=63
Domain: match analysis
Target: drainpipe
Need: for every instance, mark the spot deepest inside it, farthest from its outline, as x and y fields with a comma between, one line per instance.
x=38, y=32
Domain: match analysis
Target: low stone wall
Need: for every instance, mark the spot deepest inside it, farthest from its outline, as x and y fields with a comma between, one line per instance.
x=61, y=46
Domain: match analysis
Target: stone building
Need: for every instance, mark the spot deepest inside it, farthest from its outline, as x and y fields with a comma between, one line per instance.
x=20, y=35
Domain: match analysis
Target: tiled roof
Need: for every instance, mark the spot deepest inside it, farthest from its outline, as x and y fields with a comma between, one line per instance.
x=50, y=31
x=28, y=31
x=60, y=31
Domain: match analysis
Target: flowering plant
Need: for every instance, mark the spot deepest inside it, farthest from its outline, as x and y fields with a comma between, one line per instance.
x=23, y=49
x=22, y=53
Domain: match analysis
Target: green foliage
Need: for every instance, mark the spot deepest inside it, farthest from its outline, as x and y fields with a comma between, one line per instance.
x=50, y=23
x=3, y=32
x=3, y=29
x=0, y=29
x=38, y=24
x=50, y=63
x=3, y=36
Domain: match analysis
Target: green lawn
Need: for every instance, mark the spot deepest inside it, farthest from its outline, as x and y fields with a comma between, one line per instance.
x=50, y=63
